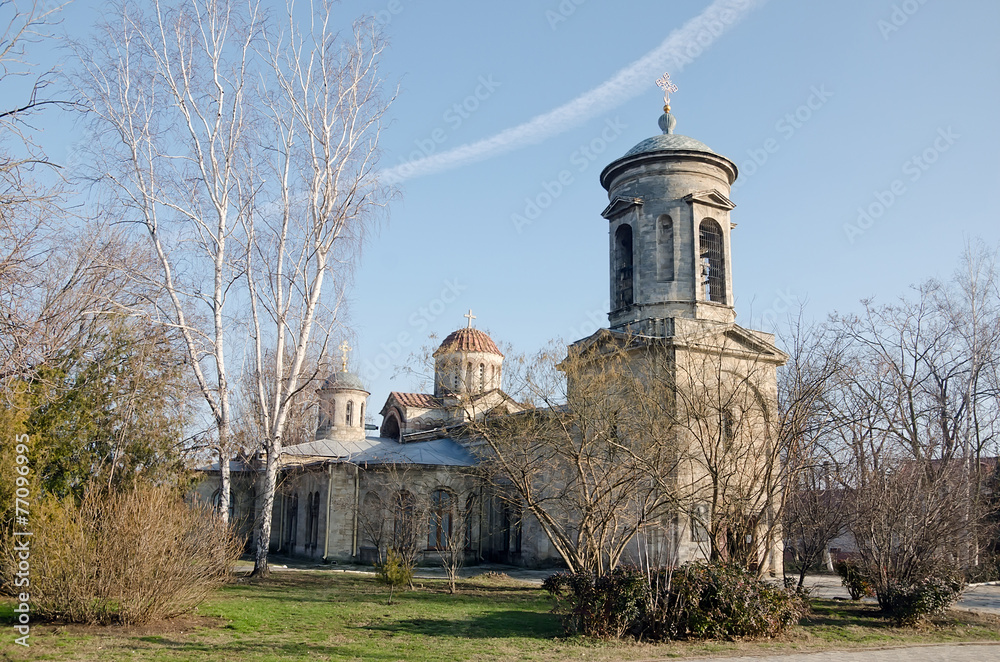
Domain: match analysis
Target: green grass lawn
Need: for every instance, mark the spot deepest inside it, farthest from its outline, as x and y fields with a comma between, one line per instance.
x=327, y=615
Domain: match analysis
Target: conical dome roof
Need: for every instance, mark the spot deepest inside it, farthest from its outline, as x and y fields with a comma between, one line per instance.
x=468, y=340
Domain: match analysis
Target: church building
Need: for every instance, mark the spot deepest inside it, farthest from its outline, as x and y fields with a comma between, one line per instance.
x=346, y=495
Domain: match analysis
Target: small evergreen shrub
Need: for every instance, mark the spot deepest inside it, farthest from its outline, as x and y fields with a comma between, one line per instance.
x=857, y=584
x=395, y=572
x=605, y=606
x=906, y=604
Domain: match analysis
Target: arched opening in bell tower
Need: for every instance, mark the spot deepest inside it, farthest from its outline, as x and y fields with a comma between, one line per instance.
x=713, y=263
x=623, y=267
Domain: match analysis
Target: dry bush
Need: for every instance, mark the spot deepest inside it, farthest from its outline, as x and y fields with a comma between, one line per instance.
x=126, y=557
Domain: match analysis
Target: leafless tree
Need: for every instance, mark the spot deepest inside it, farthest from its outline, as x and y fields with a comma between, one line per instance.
x=392, y=514
x=167, y=86
x=314, y=196
x=726, y=410
x=38, y=302
x=916, y=416
x=24, y=23
x=245, y=152
x=817, y=510
x=585, y=460
x=455, y=536
x=815, y=507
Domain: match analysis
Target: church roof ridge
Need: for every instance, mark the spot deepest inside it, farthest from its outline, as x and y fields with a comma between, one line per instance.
x=425, y=400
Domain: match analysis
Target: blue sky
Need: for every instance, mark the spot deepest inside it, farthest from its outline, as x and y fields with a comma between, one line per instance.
x=828, y=108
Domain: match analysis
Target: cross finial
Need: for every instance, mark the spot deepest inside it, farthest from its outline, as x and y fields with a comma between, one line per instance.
x=345, y=348
x=469, y=316
x=667, y=86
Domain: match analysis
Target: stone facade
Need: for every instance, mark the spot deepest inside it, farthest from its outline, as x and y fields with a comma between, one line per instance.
x=671, y=287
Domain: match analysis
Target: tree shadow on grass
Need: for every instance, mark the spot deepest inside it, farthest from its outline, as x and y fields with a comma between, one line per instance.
x=846, y=614
x=493, y=625
x=260, y=650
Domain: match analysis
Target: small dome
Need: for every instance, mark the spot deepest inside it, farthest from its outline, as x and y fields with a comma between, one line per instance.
x=344, y=381
x=468, y=340
x=669, y=142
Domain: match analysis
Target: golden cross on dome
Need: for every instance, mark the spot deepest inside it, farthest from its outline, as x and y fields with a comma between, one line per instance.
x=469, y=316
x=345, y=348
x=667, y=86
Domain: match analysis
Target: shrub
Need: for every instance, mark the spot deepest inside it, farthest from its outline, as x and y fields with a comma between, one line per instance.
x=125, y=557
x=395, y=571
x=906, y=604
x=698, y=601
x=605, y=606
x=711, y=601
x=854, y=580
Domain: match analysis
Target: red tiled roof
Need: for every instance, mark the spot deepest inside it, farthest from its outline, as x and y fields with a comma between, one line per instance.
x=424, y=400
x=468, y=340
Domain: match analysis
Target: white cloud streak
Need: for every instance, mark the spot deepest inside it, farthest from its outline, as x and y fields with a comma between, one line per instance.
x=680, y=48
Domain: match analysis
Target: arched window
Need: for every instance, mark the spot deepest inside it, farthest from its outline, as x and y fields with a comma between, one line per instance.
x=361, y=415
x=470, y=509
x=482, y=377
x=291, y=521
x=217, y=503
x=312, y=521
x=468, y=377
x=404, y=529
x=665, y=248
x=372, y=521
x=349, y=415
x=713, y=262
x=622, y=273
x=456, y=378
x=439, y=530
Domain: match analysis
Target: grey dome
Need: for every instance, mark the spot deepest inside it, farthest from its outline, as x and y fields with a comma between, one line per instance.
x=344, y=381
x=669, y=141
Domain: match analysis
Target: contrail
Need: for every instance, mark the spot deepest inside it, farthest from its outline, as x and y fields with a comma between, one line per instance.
x=680, y=48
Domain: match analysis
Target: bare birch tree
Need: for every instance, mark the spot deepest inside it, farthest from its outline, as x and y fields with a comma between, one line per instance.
x=314, y=196
x=167, y=86
x=245, y=151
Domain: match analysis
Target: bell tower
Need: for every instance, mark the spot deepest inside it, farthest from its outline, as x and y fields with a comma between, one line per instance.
x=669, y=230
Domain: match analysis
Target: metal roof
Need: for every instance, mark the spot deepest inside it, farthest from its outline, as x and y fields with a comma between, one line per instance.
x=380, y=450
x=344, y=380
x=669, y=142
